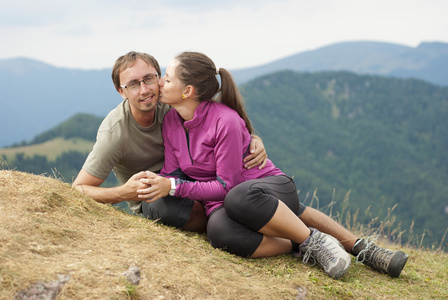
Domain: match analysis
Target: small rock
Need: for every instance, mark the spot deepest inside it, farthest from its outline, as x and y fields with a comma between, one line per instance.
x=43, y=290
x=302, y=293
x=133, y=275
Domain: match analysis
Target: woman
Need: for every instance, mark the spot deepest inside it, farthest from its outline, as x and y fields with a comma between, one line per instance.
x=252, y=213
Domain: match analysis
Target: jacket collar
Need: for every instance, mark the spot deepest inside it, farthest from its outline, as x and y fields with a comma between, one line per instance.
x=199, y=114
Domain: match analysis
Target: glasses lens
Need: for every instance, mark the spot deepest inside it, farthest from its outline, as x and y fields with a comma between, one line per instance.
x=133, y=85
x=149, y=79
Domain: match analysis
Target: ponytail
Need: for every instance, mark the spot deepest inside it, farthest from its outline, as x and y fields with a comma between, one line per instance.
x=231, y=96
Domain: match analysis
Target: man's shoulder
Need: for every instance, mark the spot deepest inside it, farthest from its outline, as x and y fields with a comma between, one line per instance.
x=115, y=117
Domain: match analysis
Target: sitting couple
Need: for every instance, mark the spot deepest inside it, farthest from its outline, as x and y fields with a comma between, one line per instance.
x=208, y=179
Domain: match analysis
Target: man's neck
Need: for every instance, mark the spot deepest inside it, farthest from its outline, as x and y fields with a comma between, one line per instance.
x=145, y=119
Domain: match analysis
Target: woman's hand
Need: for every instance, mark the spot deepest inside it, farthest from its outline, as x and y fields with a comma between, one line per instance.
x=257, y=156
x=158, y=187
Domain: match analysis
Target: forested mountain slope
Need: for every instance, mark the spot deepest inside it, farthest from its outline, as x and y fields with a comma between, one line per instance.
x=383, y=139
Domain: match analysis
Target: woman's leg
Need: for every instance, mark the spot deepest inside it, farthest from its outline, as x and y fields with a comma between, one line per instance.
x=256, y=204
x=283, y=228
x=225, y=233
x=285, y=224
x=272, y=246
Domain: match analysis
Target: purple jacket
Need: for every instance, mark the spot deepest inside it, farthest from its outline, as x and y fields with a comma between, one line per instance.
x=209, y=159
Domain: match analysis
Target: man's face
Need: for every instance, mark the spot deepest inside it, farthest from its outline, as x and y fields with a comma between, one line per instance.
x=145, y=97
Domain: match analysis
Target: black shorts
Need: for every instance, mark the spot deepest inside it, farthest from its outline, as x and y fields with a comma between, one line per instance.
x=169, y=210
x=247, y=208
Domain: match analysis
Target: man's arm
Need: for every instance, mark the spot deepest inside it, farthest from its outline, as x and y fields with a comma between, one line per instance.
x=90, y=186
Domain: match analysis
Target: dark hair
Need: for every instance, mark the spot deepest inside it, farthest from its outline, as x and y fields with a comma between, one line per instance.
x=198, y=70
x=128, y=60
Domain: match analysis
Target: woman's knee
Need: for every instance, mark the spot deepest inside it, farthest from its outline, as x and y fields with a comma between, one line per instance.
x=240, y=197
x=227, y=234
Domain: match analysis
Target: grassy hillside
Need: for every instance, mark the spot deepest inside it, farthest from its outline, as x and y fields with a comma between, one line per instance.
x=51, y=148
x=62, y=149
x=47, y=228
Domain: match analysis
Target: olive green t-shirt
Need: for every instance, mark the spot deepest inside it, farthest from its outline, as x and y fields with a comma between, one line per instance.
x=126, y=148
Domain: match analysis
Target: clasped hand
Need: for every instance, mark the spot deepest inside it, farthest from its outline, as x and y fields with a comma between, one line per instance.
x=158, y=187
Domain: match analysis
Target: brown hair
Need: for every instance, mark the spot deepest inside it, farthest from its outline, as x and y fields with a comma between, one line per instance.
x=198, y=70
x=128, y=60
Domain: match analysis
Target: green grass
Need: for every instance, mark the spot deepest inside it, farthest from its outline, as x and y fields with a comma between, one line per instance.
x=51, y=149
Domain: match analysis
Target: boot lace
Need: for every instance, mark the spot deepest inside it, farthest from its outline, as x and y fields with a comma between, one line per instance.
x=374, y=255
x=317, y=252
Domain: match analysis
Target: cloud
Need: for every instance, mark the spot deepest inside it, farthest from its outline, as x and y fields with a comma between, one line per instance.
x=236, y=34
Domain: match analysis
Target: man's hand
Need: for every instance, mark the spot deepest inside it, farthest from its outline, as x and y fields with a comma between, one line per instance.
x=128, y=191
x=157, y=187
x=257, y=156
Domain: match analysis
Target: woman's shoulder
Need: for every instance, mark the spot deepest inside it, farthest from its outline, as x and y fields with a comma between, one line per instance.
x=223, y=110
x=226, y=117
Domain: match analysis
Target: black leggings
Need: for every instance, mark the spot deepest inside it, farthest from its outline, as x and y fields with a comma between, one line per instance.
x=169, y=210
x=247, y=208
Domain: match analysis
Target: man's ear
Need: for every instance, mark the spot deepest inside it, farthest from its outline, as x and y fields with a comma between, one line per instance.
x=121, y=92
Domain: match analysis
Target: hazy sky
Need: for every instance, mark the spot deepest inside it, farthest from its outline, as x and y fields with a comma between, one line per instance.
x=91, y=34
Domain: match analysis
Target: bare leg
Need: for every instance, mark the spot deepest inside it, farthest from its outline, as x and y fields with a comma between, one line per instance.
x=283, y=228
x=316, y=219
x=272, y=246
x=197, y=221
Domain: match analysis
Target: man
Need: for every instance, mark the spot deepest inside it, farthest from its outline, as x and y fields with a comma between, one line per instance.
x=129, y=141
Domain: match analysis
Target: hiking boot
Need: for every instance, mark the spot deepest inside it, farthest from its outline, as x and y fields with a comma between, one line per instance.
x=378, y=258
x=327, y=251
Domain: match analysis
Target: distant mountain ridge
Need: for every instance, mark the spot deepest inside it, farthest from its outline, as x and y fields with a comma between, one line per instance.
x=428, y=61
x=22, y=66
x=37, y=96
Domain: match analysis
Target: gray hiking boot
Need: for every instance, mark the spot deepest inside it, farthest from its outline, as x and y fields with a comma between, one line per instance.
x=378, y=258
x=327, y=251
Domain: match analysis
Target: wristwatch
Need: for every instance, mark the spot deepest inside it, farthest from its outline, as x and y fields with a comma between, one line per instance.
x=173, y=187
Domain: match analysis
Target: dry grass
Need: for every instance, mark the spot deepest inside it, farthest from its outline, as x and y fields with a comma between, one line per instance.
x=47, y=228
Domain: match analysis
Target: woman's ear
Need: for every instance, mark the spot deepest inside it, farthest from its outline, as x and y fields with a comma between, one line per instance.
x=189, y=91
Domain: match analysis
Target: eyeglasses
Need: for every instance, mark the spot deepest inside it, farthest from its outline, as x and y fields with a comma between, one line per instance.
x=135, y=84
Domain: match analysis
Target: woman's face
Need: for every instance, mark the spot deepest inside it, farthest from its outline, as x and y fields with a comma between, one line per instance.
x=171, y=89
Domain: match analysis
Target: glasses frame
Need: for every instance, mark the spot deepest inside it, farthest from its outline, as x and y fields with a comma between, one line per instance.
x=154, y=79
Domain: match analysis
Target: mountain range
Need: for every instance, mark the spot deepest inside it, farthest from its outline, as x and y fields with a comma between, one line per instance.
x=37, y=96
x=428, y=61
